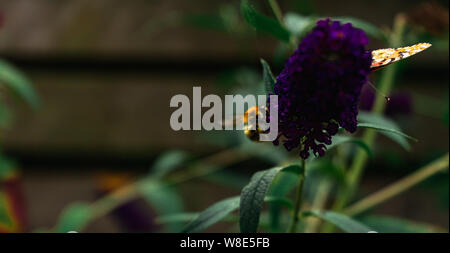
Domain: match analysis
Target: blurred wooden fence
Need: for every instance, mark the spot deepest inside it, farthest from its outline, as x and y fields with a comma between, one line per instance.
x=106, y=69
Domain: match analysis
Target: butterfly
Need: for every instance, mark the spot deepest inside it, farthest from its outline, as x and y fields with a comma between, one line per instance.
x=380, y=59
x=386, y=56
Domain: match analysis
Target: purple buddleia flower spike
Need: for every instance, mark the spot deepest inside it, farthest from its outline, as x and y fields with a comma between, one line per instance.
x=319, y=87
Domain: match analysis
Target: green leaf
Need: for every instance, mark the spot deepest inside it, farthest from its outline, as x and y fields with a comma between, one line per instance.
x=176, y=218
x=7, y=167
x=278, y=200
x=385, y=129
x=385, y=224
x=368, y=28
x=168, y=162
x=293, y=168
x=341, y=139
x=379, y=120
x=252, y=198
x=212, y=214
x=322, y=169
x=164, y=199
x=344, y=222
x=73, y=218
x=263, y=23
x=17, y=81
x=5, y=216
x=280, y=187
x=186, y=217
x=268, y=79
x=299, y=25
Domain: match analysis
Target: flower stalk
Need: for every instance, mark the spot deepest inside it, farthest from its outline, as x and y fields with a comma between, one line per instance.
x=399, y=187
x=277, y=11
x=298, y=199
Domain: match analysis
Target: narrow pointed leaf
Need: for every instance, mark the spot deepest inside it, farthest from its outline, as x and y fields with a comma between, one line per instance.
x=219, y=211
x=299, y=25
x=341, y=139
x=252, y=198
x=74, y=218
x=212, y=215
x=380, y=120
x=176, y=218
x=263, y=23
x=281, y=186
x=16, y=81
x=281, y=201
x=168, y=162
x=294, y=168
x=6, y=219
x=343, y=222
x=386, y=224
x=268, y=78
x=385, y=129
x=164, y=199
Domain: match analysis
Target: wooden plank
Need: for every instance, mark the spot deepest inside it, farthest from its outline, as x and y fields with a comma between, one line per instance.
x=108, y=28
x=107, y=112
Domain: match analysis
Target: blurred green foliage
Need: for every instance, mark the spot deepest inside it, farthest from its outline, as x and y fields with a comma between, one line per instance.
x=272, y=186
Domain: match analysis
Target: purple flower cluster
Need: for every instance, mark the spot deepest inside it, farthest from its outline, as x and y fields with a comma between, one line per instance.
x=319, y=88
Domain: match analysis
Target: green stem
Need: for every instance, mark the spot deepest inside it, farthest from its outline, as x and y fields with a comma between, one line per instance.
x=277, y=11
x=293, y=41
x=386, y=84
x=357, y=167
x=398, y=187
x=298, y=199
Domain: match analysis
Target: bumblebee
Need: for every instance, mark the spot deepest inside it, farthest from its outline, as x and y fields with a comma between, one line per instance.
x=252, y=115
x=253, y=132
